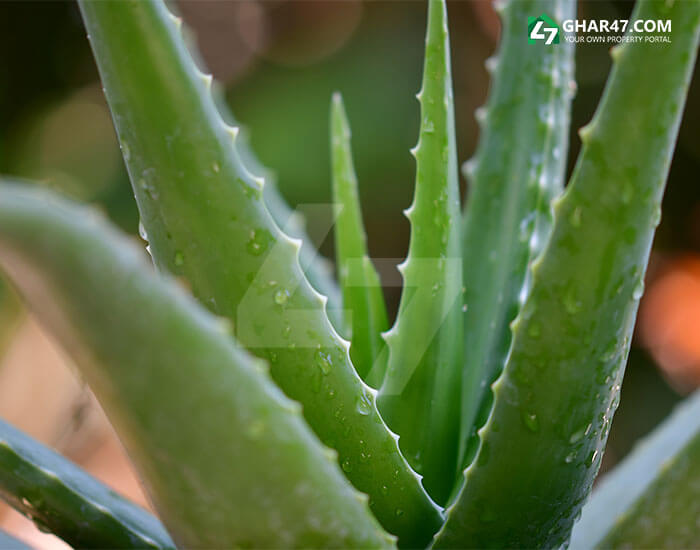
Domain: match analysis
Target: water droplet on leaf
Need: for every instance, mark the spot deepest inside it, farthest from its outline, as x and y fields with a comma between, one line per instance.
x=638, y=289
x=323, y=360
x=281, y=296
x=259, y=241
x=531, y=422
x=364, y=405
x=578, y=434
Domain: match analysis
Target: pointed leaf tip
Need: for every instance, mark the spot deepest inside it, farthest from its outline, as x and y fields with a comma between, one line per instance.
x=420, y=396
x=359, y=280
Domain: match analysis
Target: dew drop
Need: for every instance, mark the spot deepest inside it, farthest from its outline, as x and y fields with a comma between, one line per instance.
x=179, y=259
x=142, y=231
x=398, y=512
x=531, y=422
x=638, y=290
x=590, y=459
x=364, y=405
x=259, y=241
x=570, y=458
x=281, y=296
x=126, y=151
x=610, y=352
x=323, y=360
x=346, y=465
x=149, y=189
x=215, y=167
x=578, y=434
x=249, y=191
x=384, y=490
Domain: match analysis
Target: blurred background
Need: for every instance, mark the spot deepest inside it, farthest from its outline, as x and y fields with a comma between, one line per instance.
x=278, y=62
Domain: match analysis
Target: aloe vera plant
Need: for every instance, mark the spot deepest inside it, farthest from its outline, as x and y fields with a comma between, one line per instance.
x=478, y=419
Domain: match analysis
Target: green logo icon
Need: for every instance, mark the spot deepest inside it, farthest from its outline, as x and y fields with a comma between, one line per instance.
x=542, y=28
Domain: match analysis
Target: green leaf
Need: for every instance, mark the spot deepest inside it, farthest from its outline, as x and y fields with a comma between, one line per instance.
x=517, y=169
x=206, y=222
x=63, y=499
x=227, y=458
x=317, y=269
x=554, y=401
x=359, y=280
x=420, y=394
x=652, y=498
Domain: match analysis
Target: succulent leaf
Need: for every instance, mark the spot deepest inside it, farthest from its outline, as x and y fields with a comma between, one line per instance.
x=62, y=498
x=362, y=291
x=560, y=386
x=652, y=498
x=317, y=269
x=420, y=394
x=205, y=221
x=227, y=458
x=517, y=169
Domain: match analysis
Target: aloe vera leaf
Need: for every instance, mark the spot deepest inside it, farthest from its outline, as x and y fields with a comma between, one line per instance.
x=317, y=269
x=63, y=499
x=8, y=542
x=554, y=401
x=362, y=292
x=420, y=394
x=517, y=169
x=226, y=457
x=206, y=222
x=652, y=498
